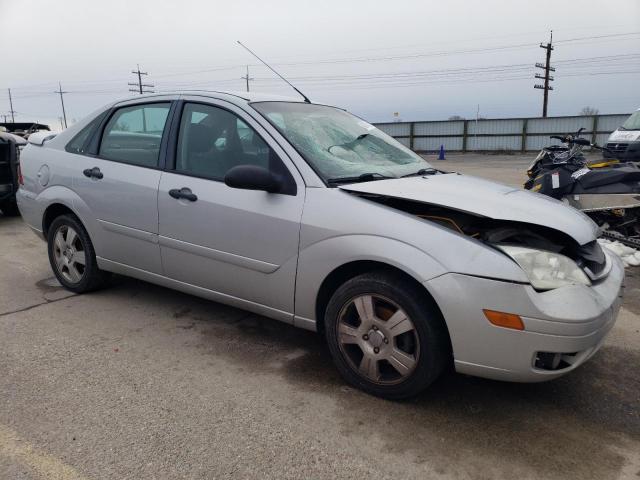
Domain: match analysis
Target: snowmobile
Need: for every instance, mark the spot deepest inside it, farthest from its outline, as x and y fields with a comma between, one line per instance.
x=608, y=192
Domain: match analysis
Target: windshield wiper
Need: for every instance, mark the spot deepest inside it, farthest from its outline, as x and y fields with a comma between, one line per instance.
x=365, y=177
x=422, y=171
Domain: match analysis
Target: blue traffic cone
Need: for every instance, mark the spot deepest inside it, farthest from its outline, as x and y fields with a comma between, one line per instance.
x=441, y=154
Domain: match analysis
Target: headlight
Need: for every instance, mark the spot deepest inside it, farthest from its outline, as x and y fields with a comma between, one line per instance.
x=546, y=270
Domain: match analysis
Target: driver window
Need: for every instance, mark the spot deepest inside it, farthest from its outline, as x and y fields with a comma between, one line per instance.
x=212, y=140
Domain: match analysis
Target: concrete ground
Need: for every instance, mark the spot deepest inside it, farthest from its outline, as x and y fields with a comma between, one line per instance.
x=140, y=382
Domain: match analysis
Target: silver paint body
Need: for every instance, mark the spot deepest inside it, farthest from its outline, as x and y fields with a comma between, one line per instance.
x=270, y=253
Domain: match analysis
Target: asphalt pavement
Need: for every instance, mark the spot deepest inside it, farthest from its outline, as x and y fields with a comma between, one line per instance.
x=141, y=382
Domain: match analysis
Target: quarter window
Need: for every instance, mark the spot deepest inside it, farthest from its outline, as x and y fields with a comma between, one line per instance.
x=213, y=140
x=79, y=142
x=133, y=134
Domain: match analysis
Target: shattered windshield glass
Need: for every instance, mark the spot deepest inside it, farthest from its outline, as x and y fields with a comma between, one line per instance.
x=339, y=145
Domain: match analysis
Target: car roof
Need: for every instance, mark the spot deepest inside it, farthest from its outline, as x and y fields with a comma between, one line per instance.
x=235, y=97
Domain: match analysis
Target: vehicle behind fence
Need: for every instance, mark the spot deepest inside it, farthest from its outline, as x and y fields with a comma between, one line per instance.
x=499, y=134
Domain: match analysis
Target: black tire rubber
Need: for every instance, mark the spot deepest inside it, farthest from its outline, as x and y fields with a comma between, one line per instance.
x=9, y=208
x=93, y=278
x=435, y=350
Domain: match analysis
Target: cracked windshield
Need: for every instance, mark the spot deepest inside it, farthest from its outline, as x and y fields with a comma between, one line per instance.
x=340, y=146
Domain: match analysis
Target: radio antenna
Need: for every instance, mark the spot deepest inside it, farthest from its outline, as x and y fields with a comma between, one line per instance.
x=269, y=67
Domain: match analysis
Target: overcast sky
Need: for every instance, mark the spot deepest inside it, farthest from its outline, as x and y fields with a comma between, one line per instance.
x=422, y=59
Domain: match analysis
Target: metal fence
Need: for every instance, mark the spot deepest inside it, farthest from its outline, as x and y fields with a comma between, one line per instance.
x=499, y=134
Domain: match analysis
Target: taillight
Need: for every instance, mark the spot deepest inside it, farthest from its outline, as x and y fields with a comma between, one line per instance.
x=20, y=179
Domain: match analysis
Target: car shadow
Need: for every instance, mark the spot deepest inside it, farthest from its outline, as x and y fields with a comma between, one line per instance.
x=574, y=426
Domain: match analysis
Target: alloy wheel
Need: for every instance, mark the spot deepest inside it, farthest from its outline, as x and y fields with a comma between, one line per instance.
x=378, y=339
x=69, y=254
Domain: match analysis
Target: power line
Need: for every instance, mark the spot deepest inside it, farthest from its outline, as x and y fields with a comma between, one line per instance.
x=447, y=75
x=141, y=86
x=547, y=78
x=615, y=36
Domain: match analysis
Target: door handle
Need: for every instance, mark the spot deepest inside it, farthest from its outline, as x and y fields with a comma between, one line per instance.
x=93, y=173
x=184, y=192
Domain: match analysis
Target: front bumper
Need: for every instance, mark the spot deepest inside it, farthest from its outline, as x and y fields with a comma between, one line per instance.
x=572, y=321
x=624, y=151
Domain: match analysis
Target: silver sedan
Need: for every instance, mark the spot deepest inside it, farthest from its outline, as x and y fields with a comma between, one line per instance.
x=310, y=215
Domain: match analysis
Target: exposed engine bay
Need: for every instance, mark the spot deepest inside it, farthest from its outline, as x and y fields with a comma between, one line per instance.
x=493, y=232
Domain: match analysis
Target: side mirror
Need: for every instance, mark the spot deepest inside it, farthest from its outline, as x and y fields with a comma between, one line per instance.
x=252, y=177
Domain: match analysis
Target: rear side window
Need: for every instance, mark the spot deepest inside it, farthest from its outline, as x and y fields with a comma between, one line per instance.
x=79, y=143
x=133, y=134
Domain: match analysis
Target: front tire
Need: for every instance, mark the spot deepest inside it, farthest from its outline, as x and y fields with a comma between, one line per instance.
x=386, y=335
x=72, y=257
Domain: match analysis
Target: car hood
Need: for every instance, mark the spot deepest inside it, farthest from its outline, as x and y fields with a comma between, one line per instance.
x=484, y=198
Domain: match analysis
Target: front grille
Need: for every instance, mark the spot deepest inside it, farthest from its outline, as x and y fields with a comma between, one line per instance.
x=618, y=148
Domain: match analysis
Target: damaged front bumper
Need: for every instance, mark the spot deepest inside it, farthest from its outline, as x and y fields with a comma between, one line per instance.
x=563, y=328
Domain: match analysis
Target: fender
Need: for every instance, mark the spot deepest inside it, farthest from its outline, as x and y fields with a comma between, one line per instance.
x=70, y=199
x=318, y=260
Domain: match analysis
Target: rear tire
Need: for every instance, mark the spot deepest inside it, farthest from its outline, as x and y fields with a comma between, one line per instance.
x=9, y=208
x=72, y=257
x=386, y=335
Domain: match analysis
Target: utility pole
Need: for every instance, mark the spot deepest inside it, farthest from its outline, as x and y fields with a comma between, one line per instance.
x=247, y=78
x=546, y=77
x=477, y=118
x=60, y=92
x=140, y=86
x=13, y=120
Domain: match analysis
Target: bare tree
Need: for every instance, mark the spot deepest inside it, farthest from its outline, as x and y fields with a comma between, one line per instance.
x=456, y=117
x=589, y=111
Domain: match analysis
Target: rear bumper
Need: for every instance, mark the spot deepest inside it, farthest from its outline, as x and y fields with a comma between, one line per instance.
x=30, y=211
x=571, y=321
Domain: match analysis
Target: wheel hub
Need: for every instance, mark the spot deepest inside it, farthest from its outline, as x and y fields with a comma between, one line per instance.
x=376, y=338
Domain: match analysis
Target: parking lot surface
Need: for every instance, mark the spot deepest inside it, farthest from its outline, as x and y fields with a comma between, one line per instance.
x=137, y=381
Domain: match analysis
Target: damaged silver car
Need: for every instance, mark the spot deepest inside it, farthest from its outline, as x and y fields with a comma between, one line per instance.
x=309, y=215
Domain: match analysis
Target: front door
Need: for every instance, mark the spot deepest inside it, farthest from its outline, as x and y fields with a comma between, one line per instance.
x=241, y=244
x=119, y=186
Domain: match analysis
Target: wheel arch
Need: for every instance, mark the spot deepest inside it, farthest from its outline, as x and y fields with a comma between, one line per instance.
x=323, y=263
x=59, y=200
x=349, y=270
x=52, y=212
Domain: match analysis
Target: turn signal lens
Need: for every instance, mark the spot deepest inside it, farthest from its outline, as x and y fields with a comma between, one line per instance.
x=506, y=320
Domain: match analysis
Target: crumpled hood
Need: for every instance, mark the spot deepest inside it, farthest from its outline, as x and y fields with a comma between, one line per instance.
x=485, y=198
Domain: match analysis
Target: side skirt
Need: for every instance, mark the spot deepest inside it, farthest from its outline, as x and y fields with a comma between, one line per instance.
x=163, y=281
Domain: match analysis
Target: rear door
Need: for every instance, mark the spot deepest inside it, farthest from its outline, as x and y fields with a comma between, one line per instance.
x=242, y=244
x=119, y=184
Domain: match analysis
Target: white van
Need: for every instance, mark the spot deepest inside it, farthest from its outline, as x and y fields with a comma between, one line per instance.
x=624, y=142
